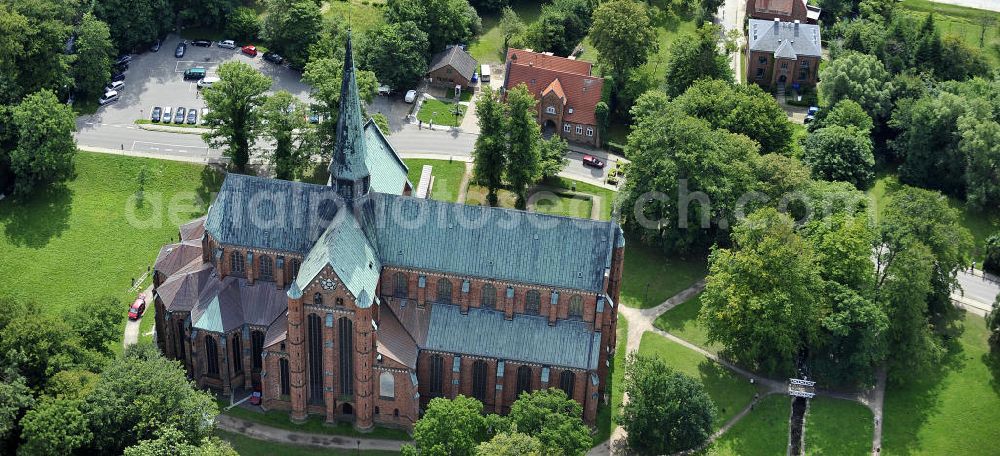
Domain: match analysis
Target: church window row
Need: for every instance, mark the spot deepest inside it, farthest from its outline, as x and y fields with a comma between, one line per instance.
x=480, y=379
x=266, y=265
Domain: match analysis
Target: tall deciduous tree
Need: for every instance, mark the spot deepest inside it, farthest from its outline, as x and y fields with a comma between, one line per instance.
x=445, y=21
x=283, y=118
x=696, y=56
x=291, y=26
x=233, y=115
x=40, y=347
x=396, y=52
x=449, y=427
x=45, y=147
x=928, y=142
x=992, y=261
x=667, y=412
x=561, y=25
x=94, y=51
x=840, y=154
x=993, y=324
x=846, y=113
x=325, y=75
x=513, y=444
x=511, y=25
x=554, y=418
x=745, y=109
x=490, y=153
x=523, y=153
x=980, y=144
x=552, y=153
x=623, y=36
x=858, y=77
x=135, y=24
x=243, y=25
x=54, y=426
x=96, y=322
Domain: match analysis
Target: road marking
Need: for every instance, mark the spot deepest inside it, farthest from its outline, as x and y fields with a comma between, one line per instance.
x=194, y=63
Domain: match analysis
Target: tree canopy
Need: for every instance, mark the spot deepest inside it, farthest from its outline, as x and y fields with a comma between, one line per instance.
x=396, y=53
x=623, y=35
x=695, y=56
x=291, y=26
x=740, y=108
x=43, y=128
x=449, y=427
x=233, y=115
x=444, y=21
x=554, y=419
x=837, y=153
x=858, y=77
x=561, y=25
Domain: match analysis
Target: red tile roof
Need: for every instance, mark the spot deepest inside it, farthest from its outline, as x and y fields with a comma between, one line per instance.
x=539, y=72
x=557, y=88
x=782, y=6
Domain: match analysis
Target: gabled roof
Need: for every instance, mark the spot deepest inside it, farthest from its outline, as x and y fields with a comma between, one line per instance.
x=555, y=87
x=173, y=257
x=776, y=6
x=389, y=172
x=457, y=58
x=277, y=331
x=180, y=292
x=344, y=247
x=537, y=72
x=349, y=144
x=230, y=303
x=527, y=338
x=395, y=342
x=548, y=62
x=192, y=231
x=488, y=242
x=790, y=39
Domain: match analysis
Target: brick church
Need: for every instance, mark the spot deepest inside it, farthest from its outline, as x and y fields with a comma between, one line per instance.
x=357, y=302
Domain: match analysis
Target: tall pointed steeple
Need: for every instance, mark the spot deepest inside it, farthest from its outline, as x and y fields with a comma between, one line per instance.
x=348, y=171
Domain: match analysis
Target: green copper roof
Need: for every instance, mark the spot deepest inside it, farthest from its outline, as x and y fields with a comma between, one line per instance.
x=349, y=147
x=211, y=318
x=344, y=247
x=388, y=170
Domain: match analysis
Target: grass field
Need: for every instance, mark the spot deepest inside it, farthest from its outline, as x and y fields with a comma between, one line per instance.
x=730, y=392
x=607, y=196
x=682, y=321
x=363, y=15
x=440, y=113
x=488, y=48
x=979, y=28
x=838, y=427
x=73, y=243
x=607, y=416
x=447, y=177
x=314, y=424
x=952, y=411
x=651, y=277
x=763, y=432
x=247, y=446
x=564, y=204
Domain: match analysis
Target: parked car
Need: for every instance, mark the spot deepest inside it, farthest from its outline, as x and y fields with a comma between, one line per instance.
x=194, y=73
x=208, y=81
x=384, y=90
x=204, y=112
x=274, y=58
x=117, y=76
x=227, y=44
x=156, y=45
x=137, y=308
x=250, y=50
x=315, y=118
x=590, y=160
x=181, y=49
x=179, y=116
x=201, y=43
x=156, y=114
x=123, y=60
x=411, y=96
x=114, y=86
x=192, y=116
x=811, y=113
x=108, y=98
x=167, y=117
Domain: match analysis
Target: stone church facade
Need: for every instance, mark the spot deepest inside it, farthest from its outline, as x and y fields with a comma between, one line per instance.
x=357, y=302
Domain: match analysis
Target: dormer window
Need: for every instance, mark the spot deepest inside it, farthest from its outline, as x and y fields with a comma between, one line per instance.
x=570, y=110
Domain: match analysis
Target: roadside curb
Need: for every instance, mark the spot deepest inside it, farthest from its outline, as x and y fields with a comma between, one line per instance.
x=183, y=130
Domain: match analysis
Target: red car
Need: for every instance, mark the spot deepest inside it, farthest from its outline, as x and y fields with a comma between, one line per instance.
x=138, y=308
x=589, y=160
x=250, y=50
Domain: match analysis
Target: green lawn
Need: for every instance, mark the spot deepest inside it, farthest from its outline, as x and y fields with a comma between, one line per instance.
x=363, y=14
x=564, y=204
x=730, y=392
x=447, y=177
x=838, y=427
x=979, y=28
x=247, y=446
x=607, y=416
x=314, y=424
x=666, y=33
x=82, y=231
x=488, y=48
x=440, y=112
x=476, y=196
x=682, y=321
x=651, y=277
x=763, y=432
x=952, y=411
x=607, y=196
x=574, y=207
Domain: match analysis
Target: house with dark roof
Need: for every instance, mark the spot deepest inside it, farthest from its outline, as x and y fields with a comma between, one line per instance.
x=451, y=67
x=566, y=91
x=784, y=10
x=783, y=54
x=355, y=301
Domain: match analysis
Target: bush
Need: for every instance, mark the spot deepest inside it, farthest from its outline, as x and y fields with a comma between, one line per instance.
x=992, y=262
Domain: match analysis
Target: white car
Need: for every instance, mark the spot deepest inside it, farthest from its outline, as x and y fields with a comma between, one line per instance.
x=411, y=96
x=384, y=90
x=207, y=81
x=227, y=44
x=109, y=97
x=114, y=86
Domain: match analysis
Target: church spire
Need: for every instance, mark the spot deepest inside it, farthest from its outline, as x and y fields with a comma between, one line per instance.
x=348, y=171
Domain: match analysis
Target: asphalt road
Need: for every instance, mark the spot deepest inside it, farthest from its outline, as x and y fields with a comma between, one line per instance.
x=982, y=290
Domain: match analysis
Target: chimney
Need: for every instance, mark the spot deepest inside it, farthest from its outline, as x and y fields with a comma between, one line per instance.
x=777, y=26
x=796, y=27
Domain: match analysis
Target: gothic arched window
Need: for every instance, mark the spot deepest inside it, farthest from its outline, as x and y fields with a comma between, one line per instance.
x=237, y=348
x=576, y=307
x=236, y=264
x=266, y=268
x=444, y=291
x=523, y=379
x=314, y=347
x=386, y=385
x=211, y=356
x=437, y=375
x=567, y=381
x=532, y=302
x=256, y=348
x=489, y=297
x=401, y=286
x=479, y=380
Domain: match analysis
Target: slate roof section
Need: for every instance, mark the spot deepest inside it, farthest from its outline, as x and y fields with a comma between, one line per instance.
x=457, y=58
x=173, y=257
x=277, y=331
x=395, y=342
x=232, y=302
x=790, y=39
x=344, y=247
x=193, y=230
x=538, y=71
x=389, y=172
x=488, y=242
x=525, y=338
x=274, y=214
x=180, y=292
x=349, y=149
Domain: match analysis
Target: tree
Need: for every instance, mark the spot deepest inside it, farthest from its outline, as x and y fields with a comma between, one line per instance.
x=243, y=25
x=928, y=143
x=992, y=261
x=511, y=25
x=760, y=299
x=553, y=156
x=993, y=324
x=514, y=444
x=980, y=144
x=396, y=53
x=325, y=75
x=903, y=288
x=96, y=322
x=233, y=115
x=135, y=24
x=39, y=346
x=858, y=77
x=667, y=412
x=94, y=51
x=291, y=26
x=15, y=398
x=554, y=419
x=45, y=147
x=561, y=25
x=445, y=21
x=696, y=56
x=54, y=426
x=140, y=394
x=488, y=6
x=847, y=113
x=623, y=36
x=207, y=13
x=840, y=154
x=959, y=61
x=449, y=427
x=524, y=135
x=383, y=123
x=170, y=442
x=489, y=157
x=745, y=109
x=283, y=121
